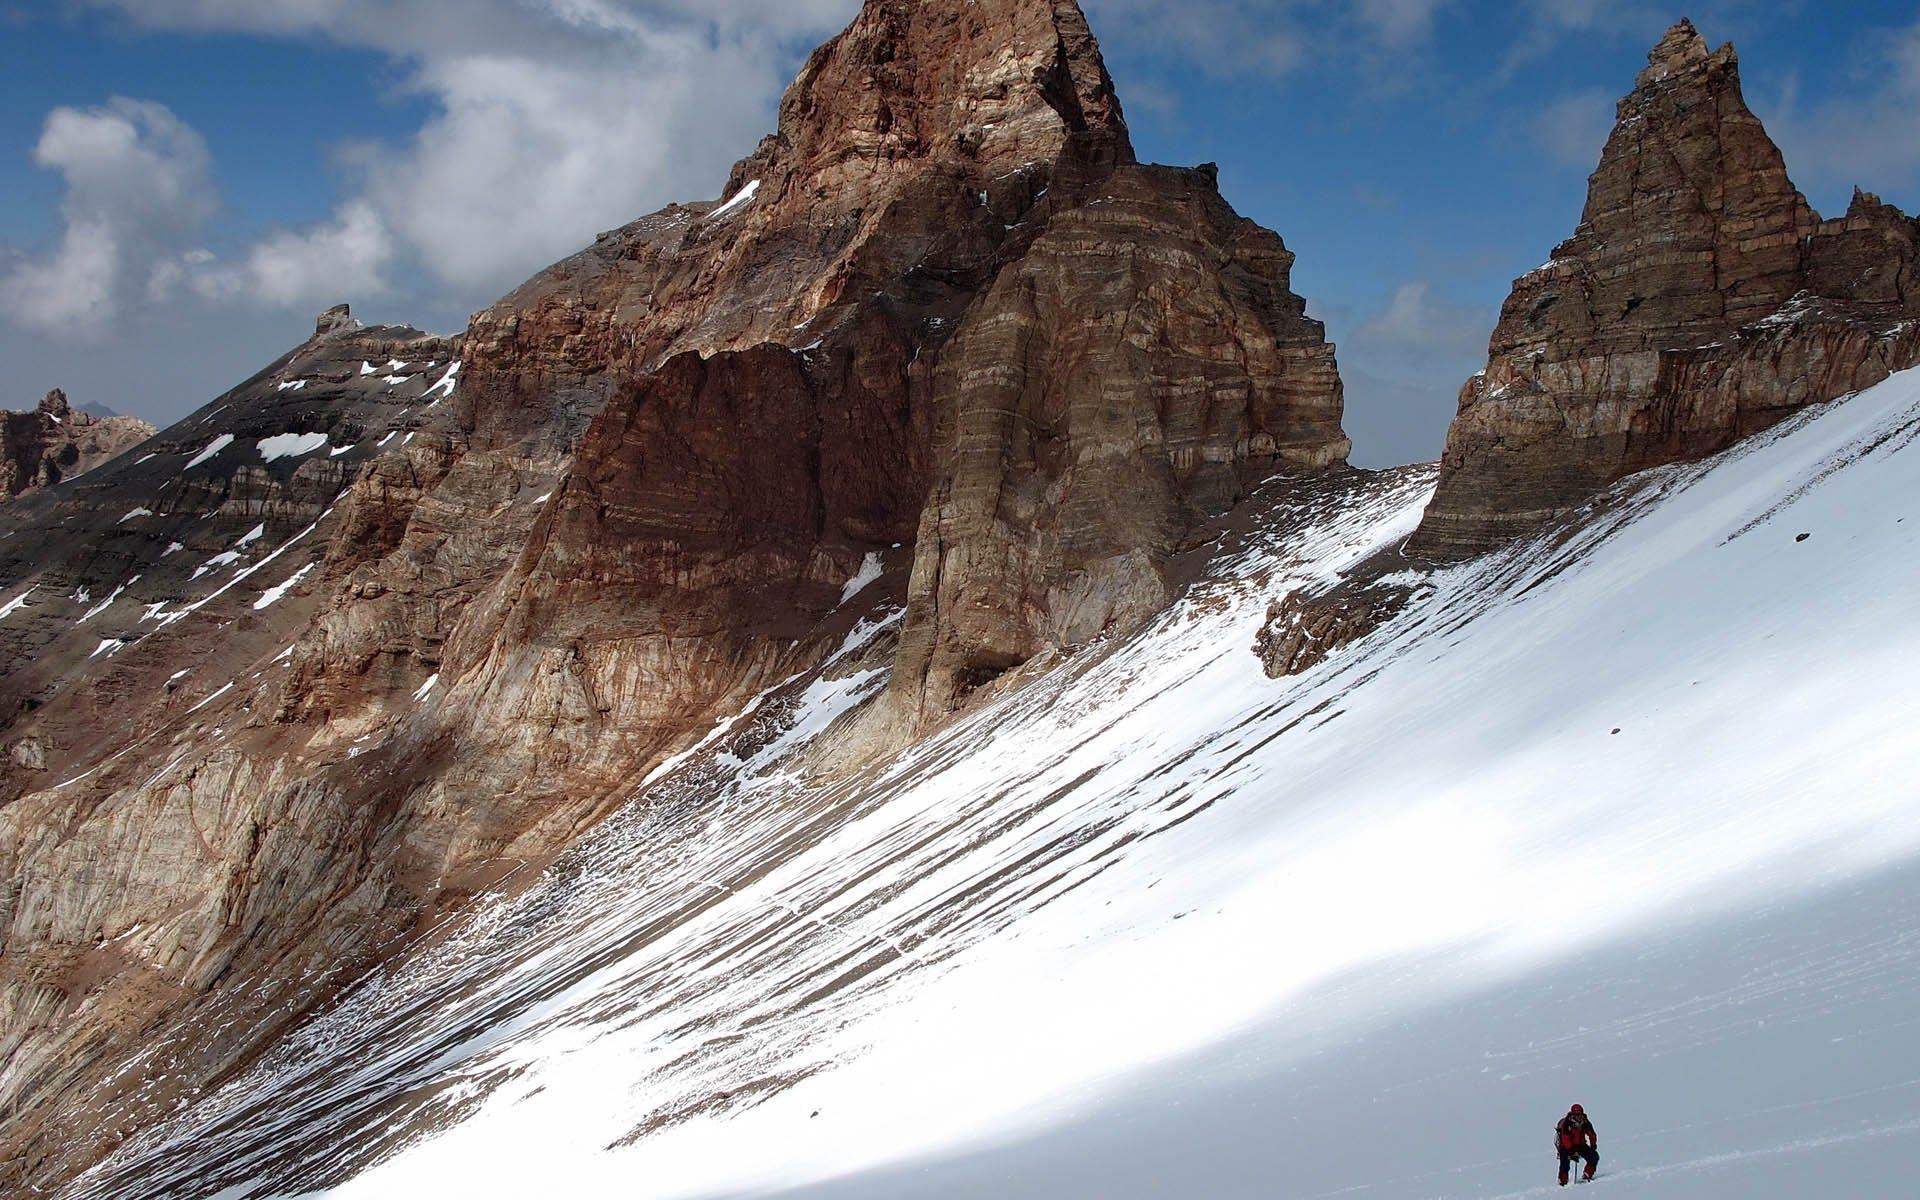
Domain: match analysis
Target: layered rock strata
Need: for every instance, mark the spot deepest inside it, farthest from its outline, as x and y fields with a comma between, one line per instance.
x=1700, y=300
x=57, y=441
x=939, y=318
x=1134, y=374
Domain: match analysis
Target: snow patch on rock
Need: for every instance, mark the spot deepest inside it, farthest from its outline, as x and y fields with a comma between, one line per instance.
x=212, y=448
x=289, y=445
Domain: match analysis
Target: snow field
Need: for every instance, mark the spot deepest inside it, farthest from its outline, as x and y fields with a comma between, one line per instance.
x=1156, y=925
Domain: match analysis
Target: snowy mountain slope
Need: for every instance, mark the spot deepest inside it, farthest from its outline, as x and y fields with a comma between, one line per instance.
x=1156, y=925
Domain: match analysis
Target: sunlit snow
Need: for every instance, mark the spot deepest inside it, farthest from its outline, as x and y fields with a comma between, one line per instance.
x=104, y=605
x=868, y=572
x=16, y=604
x=1626, y=816
x=212, y=448
x=742, y=197
x=446, y=383
x=290, y=445
x=276, y=593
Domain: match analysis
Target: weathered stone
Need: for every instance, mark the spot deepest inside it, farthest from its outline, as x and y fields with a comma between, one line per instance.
x=1699, y=300
x=664, y=458
x=1302, y=629
x=338, y=319
x=56, y=442
x=1136, y=372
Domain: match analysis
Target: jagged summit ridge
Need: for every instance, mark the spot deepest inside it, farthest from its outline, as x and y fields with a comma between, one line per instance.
x=1680, y=49
x=56, y=442
x=1002, y=80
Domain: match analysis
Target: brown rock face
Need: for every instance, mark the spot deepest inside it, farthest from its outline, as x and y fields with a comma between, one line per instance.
x=940, y=317
x=57, y=441
x=1700, y=300
x=1133, y=374
x=1301, y=630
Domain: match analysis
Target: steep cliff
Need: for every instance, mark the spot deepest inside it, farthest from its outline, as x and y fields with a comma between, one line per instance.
x=1700, y=299
x=56, y=441
x=1135, y=373
x=939, y=318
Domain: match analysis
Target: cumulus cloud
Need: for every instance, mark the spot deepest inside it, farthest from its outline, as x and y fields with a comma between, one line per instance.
x=528, y=158
x=551, y=120
x=554, y=119
x=297, y=268
x=137, y=189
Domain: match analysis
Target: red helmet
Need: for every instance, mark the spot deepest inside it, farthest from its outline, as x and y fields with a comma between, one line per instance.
x=1578, y=1109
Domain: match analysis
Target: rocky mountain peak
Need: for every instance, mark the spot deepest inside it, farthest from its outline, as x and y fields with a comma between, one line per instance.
x=1681, y=49
x=1700, y=299
x=941, y=361
x=338, y=319
x=1724, y=199
x=996, y=80
x=56, y=441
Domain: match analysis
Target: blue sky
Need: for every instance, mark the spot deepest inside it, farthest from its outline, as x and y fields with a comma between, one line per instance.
x=183, y=183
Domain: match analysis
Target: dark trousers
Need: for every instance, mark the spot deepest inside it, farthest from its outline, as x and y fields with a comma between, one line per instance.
x=1588, y=1153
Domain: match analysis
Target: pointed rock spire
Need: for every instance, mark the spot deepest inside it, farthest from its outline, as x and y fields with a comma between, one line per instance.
x=995, y=79
x=1692, y=233
x=1680, y=49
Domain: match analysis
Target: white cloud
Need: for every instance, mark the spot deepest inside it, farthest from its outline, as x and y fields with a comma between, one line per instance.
x=1400, y=23
x=138, y=188
x=553, y=120
x=345, y=256
x=1220, y=37
x=529, y=158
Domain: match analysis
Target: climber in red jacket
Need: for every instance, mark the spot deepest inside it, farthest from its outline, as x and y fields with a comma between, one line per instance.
x=1574, y=1138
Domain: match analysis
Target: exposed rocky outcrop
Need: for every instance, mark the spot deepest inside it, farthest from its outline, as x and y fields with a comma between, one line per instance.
x=1700, y=299
x=940, y=318
x=57, y=441
x=1135, y=373
x=1301, y=630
